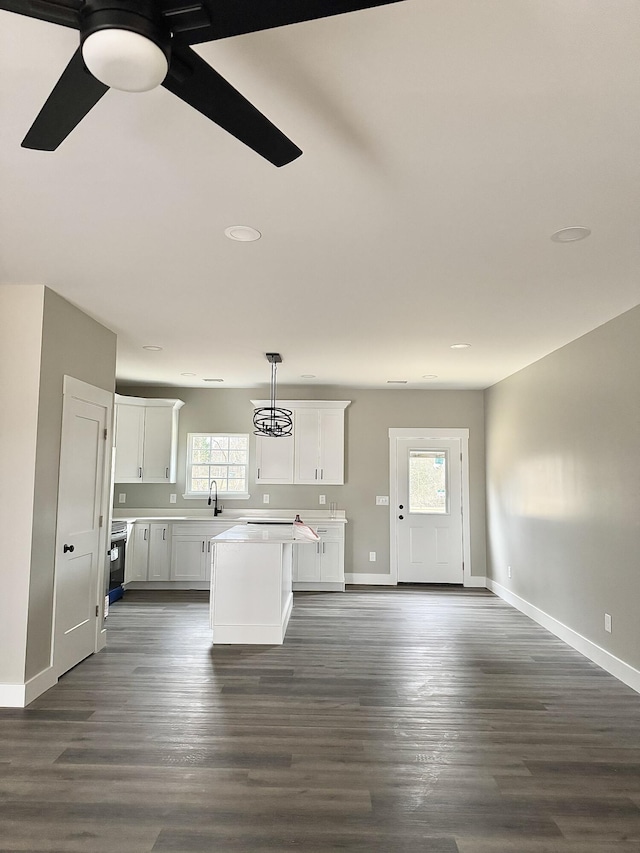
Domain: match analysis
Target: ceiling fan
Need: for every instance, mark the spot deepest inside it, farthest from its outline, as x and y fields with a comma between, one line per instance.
x=136, y=45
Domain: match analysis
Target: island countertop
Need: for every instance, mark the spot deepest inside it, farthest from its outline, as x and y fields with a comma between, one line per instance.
x=247, y=534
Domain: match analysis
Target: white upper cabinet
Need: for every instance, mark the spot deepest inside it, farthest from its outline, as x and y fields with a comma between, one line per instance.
x=315, y=454
x=274, y=459
x=146, y=440
x=129, y=443
x=319, y=451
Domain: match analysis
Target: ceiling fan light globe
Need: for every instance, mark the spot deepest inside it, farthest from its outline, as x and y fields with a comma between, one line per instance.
x=124, y=60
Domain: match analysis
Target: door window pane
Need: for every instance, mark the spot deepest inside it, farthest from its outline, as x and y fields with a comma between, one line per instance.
x=428, y=481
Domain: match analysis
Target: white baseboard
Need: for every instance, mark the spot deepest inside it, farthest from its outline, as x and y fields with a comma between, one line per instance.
x=475, y=581
x=368, y=579
x=167, y=585
x=624, y=672
x=20, y=695
x=317, y=586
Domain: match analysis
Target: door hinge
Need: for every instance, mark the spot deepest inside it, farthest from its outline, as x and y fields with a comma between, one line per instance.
x=97, y=609
x=105, y=434
x=101, y=521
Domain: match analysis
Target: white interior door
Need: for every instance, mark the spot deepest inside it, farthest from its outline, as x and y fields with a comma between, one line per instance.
x=428, y=510
x=80, y=540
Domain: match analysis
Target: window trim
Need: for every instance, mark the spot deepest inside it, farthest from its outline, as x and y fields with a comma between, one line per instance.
x=239, y=496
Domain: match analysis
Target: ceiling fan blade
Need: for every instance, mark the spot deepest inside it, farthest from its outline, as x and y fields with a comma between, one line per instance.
x=235, y=17
x=73, y=96
x=196, y=83
x=63, y=12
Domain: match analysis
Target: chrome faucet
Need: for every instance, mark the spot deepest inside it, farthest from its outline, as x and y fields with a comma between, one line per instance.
x=216, y=509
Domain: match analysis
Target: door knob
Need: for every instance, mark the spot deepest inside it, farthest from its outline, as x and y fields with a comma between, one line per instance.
x=401, y=506
x=401, y=517
x=68, y=548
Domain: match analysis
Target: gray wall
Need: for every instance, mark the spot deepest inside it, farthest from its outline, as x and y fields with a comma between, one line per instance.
x=20, y=340
x=563, y=484
x=43, y=338
x=368, y=420
x=76, y=345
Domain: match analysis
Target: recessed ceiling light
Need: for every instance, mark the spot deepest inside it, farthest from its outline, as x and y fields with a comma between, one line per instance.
x=242, y=233
x=396, y=381
x=570, y=235
x=213, y=380
x=153, y=349
x=187, y=374
x=460, y=346
x=430, y=376
x=308, y=376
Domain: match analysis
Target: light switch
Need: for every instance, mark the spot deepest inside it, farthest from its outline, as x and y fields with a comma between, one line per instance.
x=265, y=499
x=322, y=499
x=382, y=500
x=172, y=499
x=122, y=498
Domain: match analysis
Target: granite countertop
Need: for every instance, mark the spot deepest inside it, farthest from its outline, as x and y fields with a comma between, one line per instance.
x=247, y=534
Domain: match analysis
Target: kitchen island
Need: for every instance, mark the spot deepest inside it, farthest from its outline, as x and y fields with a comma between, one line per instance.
x=251, y=576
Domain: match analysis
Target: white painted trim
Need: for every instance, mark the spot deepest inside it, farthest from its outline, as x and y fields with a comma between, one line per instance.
x=462, y=436
x=621, y=670
x=12, y=695
x=89, y=393
x=476, y=581
x=165, y=585
x=39, y=684
x=149, y=402
x=369, y=579
x=20, y=695
x=305, y=404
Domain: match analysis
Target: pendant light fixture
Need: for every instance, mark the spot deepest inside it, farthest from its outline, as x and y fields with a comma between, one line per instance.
x=272, y=420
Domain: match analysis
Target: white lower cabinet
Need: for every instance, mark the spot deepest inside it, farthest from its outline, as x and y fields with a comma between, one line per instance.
x=321, y=565
x=191, y=549
x=173, y=554
x=148, y=552
x=166, y=555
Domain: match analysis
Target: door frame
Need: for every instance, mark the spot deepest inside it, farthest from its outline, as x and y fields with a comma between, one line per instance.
x=77, y=389
x=462, y=437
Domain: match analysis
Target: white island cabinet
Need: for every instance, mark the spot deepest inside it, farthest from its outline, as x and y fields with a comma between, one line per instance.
x=251, y=576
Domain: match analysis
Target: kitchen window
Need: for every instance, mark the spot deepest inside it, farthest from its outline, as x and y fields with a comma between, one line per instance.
x=223, y=457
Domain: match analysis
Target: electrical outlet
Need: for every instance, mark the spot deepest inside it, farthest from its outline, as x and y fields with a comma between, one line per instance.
x=508, y=571
x=172, y=499
x=607, y=622
x=322, y=499
x=265, y=499
x=122, y=498
x=372, y=556
x=382, y=500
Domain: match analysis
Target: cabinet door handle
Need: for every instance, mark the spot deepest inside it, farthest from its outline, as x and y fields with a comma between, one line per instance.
x=166, y=473
x=146, y=530
x=164, y=530
x=316, y=474
x=208, y=547
x=258, y=473
x=323, y=547
x=140, y=473
x=203, y=546
x=322, y=473
x=317, y=547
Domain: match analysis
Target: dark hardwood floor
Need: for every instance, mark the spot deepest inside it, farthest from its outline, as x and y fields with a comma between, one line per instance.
x=404, y=721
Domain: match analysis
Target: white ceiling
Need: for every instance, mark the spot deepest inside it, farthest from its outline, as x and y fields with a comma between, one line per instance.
x=444, y=142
